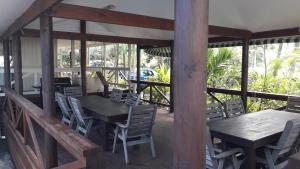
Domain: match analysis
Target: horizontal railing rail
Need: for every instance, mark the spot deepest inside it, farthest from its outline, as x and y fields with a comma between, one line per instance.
x=261, y=95
x=154, y=87
x=20, y=115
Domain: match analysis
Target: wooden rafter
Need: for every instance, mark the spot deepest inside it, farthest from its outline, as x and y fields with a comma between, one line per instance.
x=98, y=38
x=34, y=11
x=120, y=18
x=276, y=33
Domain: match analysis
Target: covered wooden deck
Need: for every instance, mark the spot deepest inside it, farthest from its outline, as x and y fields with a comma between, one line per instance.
x=38, y=140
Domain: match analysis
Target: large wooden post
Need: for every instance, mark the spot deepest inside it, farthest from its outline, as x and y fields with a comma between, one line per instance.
x=244, y=80
x=83, y=58
x=48, y=89
x=6, y=54
x=138, y=68
x=190, y=65
x=17, y=59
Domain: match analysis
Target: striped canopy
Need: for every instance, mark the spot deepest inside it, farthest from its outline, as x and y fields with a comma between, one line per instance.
x=162, y=51
x=166, y=51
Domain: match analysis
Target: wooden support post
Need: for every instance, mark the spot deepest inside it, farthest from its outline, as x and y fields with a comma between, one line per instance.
x=244, y=80
x=6, y=54
x=48, y=89
x=83, y=53
x=190, y=65
x=138, y=68
x=172, y=79
x=17, y=59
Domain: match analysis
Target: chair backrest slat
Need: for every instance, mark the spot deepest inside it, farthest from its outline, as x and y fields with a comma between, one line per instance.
x=288, y=138
x=215, y=112
x=132, y=99
x=116, y=95
x=141, y=120
x=63, y=104
x=77, y=110
x=211, y=163
x=234, y=108
x=75, y=91
x=293, y=104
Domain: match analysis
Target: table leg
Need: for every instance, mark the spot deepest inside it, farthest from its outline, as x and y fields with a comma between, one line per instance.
x=250, y=161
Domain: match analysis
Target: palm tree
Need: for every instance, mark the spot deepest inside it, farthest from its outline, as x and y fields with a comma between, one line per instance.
x=217, y=61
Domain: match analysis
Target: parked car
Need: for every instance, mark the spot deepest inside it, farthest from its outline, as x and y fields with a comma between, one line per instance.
x=146, y=73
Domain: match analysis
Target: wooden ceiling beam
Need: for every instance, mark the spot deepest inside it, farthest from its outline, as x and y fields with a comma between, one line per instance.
x=120, y=18
x=276, y=33
x=34, y=11
x=98, y=38
x=111, y=17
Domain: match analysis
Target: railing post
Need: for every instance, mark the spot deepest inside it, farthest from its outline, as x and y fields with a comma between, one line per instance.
x=6, y=52
x=151, y=96
x=83, y=53
x=138, y=68
x=17, y=59
x=172, y=78
x=48, y=89
x=244, y=80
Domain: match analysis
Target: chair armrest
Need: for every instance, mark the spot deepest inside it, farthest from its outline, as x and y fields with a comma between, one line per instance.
x=272, y=147
x=229, y=153
x=88, y=117
x=121, y=125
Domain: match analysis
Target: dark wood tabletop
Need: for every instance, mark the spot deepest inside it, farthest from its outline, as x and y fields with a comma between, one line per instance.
x=252, y=131
x=104, y=109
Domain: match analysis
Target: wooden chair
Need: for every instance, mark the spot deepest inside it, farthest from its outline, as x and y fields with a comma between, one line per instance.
x=67, y=114
x=215, y=112
x=215, y=158
x=132, y=99
x=293, y=104
x=234, y=108
x=84, y=123
x=138, y=128
x=75, y=92
x=116, y=95
x=276, y=157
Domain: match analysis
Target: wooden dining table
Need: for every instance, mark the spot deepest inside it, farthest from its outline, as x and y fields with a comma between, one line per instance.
x=107, y=113
x=252, y=131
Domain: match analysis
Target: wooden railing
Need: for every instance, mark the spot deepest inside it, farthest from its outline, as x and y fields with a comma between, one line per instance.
x=23, y=121
x=261, y=95
x=154, y=87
